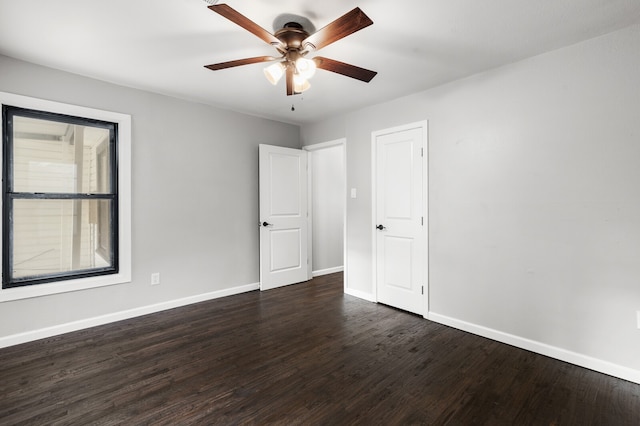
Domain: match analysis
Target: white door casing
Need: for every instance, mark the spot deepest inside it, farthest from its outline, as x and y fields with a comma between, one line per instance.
x=399, y=213
x=283, y=216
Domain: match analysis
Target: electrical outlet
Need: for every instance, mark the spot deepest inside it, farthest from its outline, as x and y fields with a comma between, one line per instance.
x=155, y=278
x=638, y=315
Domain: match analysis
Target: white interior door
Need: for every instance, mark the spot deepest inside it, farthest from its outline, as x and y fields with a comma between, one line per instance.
x=283, y=216
x=400, y=253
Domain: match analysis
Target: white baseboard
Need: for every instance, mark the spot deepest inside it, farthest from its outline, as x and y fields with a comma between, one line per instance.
x=43, y=333
x=360, y=294
x=581, y=360
x=541, y=348
x=327, y=271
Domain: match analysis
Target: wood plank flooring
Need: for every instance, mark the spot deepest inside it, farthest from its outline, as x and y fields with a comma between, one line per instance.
x=303, y=354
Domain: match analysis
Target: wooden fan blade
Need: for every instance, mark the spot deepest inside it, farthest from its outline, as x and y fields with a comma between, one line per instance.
x=246, y=23
x=289, y=80
x=344, y=69
x=237, y=63
x=347, y=24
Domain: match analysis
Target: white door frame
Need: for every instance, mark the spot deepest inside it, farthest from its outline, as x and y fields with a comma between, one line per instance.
x=315, y=147
x=424, y=125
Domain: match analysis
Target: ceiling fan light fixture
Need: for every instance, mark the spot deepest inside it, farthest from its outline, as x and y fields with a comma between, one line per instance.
x=305, y=67
x=274, y=72
x=300, y=84
x=293, y=42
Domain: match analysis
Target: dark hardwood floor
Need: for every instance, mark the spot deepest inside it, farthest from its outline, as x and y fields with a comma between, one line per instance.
x=303, y=354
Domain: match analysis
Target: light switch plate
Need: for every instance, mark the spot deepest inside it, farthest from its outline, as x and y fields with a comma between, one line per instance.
x=354, y=193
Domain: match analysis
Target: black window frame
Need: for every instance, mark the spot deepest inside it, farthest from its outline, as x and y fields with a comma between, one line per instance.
x=8, y=197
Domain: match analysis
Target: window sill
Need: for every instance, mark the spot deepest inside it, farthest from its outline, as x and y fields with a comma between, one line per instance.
x=26, y=292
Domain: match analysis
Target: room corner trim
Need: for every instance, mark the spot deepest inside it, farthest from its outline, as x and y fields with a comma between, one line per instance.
x=360, y=294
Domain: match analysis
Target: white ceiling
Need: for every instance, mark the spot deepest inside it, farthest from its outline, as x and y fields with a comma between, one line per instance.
x=163, y=45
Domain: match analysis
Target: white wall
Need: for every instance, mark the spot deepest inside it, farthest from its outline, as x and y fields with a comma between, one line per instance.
x=194, y=200
x=534, y=220
x=327, y=205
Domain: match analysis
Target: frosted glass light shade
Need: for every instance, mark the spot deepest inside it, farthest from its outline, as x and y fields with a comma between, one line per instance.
x=306, y=67
x=274, y=72
x=300, y=84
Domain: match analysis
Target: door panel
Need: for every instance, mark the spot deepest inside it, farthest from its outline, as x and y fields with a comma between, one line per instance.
x=285, y=184
x=283, y=216
x=400, y=244
x=398, y=179
x=285, y=249
x=398, y=262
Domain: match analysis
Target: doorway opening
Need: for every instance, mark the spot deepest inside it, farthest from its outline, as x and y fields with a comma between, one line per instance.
x=327, y=206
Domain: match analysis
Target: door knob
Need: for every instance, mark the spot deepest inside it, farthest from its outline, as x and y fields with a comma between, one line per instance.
x=266, y=224
x=380, y=227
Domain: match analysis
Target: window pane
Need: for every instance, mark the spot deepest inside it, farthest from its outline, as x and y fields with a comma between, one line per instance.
x=51, y=156
x=54, y=236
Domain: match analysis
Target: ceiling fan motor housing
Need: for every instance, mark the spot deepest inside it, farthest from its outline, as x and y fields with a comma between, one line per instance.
x=291, y=36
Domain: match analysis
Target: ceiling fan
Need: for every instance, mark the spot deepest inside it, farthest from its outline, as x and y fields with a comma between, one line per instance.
x=293, y=43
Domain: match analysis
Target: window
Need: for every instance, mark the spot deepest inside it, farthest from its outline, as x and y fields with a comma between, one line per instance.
x=65, y=197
